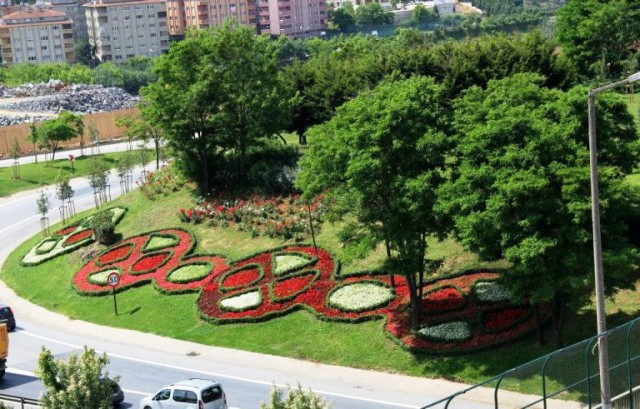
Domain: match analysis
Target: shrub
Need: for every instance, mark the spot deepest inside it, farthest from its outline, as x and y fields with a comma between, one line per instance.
x=296, y=399
x=102, y=225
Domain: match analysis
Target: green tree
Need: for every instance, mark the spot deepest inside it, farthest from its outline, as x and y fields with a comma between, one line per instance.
x=77, y=383
x=380, y=160
x=63, y=128
x=142, y=128
x=296, y=398
x=187, y=101
x=108, y=74
x=83, y=50
x=372, y=13
x=600, y=37
x=64, y=191
x=218, y=90
x=420, y=14
x=521, y=188
x=343, y=18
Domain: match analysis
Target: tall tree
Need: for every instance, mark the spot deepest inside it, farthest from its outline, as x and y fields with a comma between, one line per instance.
x=372, y=13
x=521, y=188
x=218, y=90
x=381, y=160
x=600, y=37
x=187, y=101
x=63, y=128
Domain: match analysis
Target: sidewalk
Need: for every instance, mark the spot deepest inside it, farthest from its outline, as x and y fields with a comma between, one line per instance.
x=117, y=146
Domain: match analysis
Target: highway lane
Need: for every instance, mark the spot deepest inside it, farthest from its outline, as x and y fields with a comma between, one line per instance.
x=146, y=362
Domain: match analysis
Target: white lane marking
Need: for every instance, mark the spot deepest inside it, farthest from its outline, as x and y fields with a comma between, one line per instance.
x=220, y=375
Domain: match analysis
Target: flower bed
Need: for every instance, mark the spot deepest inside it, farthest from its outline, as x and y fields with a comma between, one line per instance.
x=269, y=284
x=285, y=217
x=66, y=240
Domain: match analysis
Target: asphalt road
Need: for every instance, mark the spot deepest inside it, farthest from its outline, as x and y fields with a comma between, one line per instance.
x=147, y=362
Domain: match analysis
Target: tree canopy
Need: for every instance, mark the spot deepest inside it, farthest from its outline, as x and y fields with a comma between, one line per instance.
x=521, y=187
x=218, y=90
x=381, y=159
x=600, y=37
x=63, y=128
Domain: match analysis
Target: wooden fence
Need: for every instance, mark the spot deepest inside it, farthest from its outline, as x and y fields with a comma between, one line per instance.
x=104, y=122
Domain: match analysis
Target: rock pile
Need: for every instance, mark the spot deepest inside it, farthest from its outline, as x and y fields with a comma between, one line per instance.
x=55, y=96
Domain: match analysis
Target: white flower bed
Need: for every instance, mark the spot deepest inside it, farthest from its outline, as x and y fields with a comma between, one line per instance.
x=100, y=278
x=242, y=302
x=190, y=272
x=360, y=296
x=448, y=331
x=489, y=291
x=45, y=249
x=289, y=262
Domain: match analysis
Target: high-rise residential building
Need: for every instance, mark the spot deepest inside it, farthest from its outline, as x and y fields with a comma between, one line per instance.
x=201, y=14
x=120, y=30
x=36, y=35
x=74, y=10
x=295, y=18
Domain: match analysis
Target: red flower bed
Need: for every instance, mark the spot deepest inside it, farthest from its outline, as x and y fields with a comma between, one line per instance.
x=290, y=287
x=444, y=299
x=241, y=278
x=500, y=319
x=447, y=299
x=84, y=234
x=66, y=230
x=149, y=263
x=117, y=254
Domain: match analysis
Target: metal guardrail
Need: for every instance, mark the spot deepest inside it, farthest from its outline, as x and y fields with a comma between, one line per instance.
x=17, y=402
x=571, y=374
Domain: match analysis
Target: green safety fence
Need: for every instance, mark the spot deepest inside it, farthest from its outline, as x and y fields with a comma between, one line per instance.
x=567, y=378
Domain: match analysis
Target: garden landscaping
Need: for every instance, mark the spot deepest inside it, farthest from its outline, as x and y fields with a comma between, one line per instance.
x=262, y=288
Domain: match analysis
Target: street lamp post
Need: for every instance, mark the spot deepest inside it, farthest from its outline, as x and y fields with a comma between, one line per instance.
x=603, y=352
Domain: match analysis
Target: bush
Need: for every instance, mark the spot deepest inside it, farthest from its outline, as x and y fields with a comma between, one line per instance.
x=296, y=399
x=103, y=227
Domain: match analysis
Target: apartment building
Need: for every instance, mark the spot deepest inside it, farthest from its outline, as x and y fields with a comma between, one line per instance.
x=7, y=7
x=293, y=18
x=120, y=30
x=201, y=14
x=36, y=35
x=74, y=10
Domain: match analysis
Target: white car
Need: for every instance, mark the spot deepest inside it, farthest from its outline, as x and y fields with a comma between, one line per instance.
x=192, y=393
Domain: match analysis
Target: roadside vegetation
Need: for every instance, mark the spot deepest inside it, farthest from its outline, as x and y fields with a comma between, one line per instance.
x=47, y=173
x=430, y=157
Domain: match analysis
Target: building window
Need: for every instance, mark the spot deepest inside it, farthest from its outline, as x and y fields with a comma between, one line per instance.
x=33, y=58
x=118, y=57
x=44, y=47
x=44, y=38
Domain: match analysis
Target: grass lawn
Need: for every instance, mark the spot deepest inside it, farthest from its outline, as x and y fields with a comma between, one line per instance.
x=35, y=175
x=297, y=335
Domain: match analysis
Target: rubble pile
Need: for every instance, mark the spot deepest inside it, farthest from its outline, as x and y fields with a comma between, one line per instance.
x=27, y=102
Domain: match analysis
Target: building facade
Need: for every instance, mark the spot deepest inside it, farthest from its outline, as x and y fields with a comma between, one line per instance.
x=120, y=30
x=74, y=10
x=293, y=18
x=202, y=14
x=36, y=35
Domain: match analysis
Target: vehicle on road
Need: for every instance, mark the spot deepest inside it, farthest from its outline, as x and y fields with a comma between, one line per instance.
x=117, y=395
x=4, y=348
x=6, y=317
x=192, y=393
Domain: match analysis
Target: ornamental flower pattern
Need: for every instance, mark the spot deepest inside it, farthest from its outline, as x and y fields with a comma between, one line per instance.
x=66, y=239
x=283, y=280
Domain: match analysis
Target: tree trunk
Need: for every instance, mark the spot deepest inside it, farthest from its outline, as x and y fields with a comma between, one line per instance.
x=302, y=138
x=204, y=168
x=539, y=331
x=393, y=277
x=558, y=307
x=156, y=142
